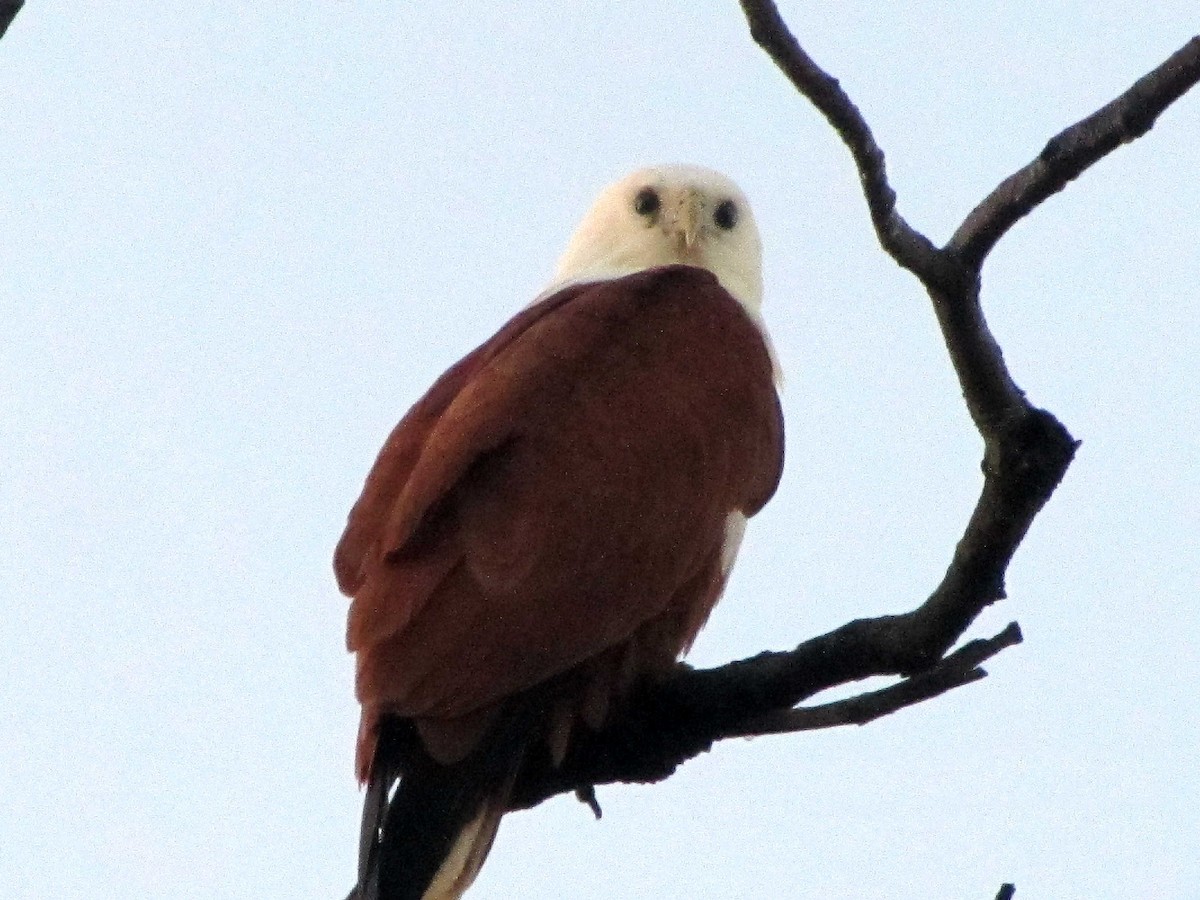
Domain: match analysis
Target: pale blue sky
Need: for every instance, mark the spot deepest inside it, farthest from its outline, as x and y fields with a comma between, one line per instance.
x=240, y=239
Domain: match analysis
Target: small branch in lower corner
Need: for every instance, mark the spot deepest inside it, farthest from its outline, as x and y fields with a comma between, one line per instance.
x=959, y=668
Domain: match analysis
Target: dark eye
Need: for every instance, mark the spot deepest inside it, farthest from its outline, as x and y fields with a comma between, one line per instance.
x=726, y=214
x=646, y=203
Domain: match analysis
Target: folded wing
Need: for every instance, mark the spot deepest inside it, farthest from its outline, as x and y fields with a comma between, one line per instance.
x=563, y=492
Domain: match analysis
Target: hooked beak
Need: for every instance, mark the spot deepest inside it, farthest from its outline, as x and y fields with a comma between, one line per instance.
x=684, y=222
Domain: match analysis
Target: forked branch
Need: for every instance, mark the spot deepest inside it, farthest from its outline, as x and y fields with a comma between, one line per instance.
x=1026, y=453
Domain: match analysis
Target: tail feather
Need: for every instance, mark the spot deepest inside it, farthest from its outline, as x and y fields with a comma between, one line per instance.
x=429, y=840
x=375, y=803
x=466, y=856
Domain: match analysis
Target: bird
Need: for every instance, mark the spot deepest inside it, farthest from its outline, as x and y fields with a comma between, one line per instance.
x=554, y=520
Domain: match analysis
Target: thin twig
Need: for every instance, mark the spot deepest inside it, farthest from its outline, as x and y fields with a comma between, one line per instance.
x=959, y=668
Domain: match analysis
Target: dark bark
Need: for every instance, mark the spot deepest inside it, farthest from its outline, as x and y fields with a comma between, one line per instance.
x=8, y=12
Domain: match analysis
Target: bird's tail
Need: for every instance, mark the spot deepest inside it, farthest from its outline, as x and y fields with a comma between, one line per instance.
x=430, y=838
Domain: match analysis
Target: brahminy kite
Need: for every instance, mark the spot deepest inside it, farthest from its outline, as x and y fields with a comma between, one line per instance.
x=555, y=519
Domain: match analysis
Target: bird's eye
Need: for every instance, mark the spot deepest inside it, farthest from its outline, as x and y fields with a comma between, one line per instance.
x=646, y=203
x=725, y=216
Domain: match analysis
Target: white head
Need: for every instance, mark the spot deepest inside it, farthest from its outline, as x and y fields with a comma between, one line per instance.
x=664, y=215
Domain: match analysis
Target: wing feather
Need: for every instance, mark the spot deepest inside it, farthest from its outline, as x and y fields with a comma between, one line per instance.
x=375, y=510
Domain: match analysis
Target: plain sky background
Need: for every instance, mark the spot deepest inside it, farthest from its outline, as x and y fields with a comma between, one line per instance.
x=237, y=240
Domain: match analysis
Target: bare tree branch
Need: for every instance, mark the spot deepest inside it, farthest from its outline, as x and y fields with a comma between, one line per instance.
x=1073, y=150
x=667, y=723
x=8, y=12
x=908, y=247
x=959, y=668
x=1026, y=453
